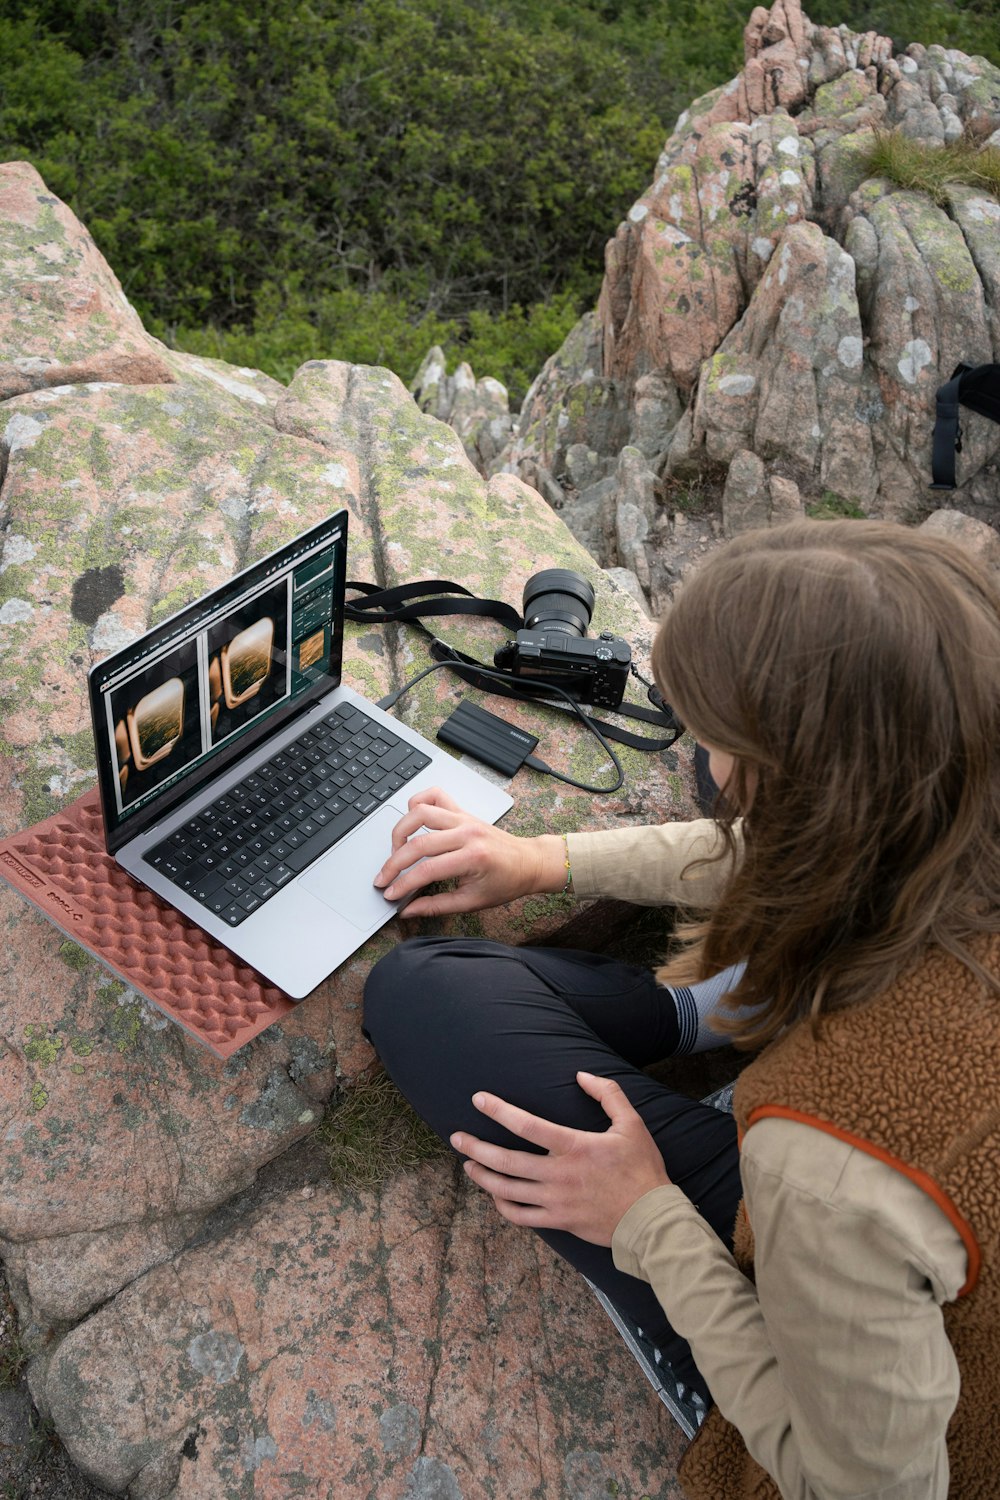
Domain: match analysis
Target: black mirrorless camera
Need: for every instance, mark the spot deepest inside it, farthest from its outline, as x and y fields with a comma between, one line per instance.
x=554, y=646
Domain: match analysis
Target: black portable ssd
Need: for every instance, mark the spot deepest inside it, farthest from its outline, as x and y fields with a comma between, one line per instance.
x=489, y=739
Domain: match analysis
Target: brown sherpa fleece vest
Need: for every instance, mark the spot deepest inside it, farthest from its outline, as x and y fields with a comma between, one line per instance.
x=914, y=1079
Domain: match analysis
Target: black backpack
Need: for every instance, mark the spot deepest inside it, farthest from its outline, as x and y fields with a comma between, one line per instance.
x=978, y=388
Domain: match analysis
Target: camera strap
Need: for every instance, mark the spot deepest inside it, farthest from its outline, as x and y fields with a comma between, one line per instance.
x=380, y=606
x=408, y=602
x=974, y=386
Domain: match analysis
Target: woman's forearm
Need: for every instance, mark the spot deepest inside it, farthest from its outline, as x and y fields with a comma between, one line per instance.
x=652, y=866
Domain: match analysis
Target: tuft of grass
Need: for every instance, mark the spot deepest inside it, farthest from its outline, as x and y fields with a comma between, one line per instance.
x=834, y=508
x=933, y=169
x=44, y=1445
x=13, y=1350
x=371, y=1134
x=695, y=495
x=13, y=1358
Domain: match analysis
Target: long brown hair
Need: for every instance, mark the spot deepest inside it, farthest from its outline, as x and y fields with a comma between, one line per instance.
x=853, y=670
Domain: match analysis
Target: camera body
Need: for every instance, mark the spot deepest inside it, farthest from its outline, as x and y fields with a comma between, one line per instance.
x=553, y=648
x=589, y=670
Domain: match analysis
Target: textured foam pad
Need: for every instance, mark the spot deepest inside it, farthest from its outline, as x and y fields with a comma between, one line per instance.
x=63, y=868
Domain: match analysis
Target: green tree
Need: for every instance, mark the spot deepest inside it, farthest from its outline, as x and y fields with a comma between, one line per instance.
x=452, y=156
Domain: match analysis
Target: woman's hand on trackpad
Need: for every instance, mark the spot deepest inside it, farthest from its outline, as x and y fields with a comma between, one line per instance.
x=437, y=841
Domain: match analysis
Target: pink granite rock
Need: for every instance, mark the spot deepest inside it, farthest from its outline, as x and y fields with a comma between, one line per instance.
x=478, y=410
x=672, y=286
x=746, y=502
x=829, y=372
x=776, y=48
x=975, y=536
x=409, y=1344
x=924, y=309
x=732, y=177
x=64, y=317
x=569, y=400
x=788, y=383
x=263, y=1336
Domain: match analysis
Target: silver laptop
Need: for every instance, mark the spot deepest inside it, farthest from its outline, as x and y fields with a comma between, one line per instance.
x=245, y=784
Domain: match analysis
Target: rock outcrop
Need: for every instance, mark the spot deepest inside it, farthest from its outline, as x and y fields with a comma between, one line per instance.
x=478, y=410
x=208, y=1316
x=766, y=295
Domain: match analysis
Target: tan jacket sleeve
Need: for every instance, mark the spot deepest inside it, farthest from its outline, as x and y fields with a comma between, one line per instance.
x=652, y=866
x=836, y=1366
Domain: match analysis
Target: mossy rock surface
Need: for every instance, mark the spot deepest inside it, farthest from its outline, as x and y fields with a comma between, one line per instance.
x=311, y=1330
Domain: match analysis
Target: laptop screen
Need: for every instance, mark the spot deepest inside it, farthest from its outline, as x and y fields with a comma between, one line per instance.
x=197, y=692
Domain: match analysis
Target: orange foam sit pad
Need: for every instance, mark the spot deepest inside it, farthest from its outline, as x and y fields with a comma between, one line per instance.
x=62, y=866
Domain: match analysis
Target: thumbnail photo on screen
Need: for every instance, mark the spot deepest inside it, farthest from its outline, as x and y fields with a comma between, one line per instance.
x=312, y=650
x=247, y=663
x=157, y=723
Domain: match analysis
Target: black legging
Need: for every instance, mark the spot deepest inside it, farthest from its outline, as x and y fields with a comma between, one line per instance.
x=449, y=1016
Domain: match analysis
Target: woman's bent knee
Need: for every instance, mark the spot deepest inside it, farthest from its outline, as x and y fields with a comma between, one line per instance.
x=429, y=986
x=407, y=990
x=428, y=1018
x=386, y=988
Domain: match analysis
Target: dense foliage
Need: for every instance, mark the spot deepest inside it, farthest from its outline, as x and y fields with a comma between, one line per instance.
x=275, y=180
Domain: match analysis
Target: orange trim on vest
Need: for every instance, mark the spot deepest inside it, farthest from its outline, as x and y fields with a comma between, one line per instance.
x=922, y=1180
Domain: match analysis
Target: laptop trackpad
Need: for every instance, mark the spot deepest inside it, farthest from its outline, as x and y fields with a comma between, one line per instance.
x=342, y=879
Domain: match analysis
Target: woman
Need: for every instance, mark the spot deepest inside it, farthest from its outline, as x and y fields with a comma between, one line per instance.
x=845, y=679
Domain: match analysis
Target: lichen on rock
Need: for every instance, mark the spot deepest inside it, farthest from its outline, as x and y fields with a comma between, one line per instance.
x=780, y=153
x=201, y=1306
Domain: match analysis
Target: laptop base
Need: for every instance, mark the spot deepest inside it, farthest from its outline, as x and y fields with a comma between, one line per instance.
x=219, y=1000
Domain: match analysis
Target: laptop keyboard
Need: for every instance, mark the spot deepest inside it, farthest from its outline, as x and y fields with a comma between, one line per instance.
x=240, y=851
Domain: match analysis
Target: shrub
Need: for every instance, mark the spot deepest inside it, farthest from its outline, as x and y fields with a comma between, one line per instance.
x=379, y=329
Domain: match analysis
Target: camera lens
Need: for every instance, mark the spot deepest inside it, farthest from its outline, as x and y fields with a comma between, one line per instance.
x=557, y=599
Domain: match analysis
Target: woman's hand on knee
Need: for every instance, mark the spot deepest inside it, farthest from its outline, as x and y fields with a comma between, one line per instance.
x=586, y=1180
x=438, y=841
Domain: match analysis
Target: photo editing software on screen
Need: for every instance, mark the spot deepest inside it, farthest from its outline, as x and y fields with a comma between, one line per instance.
x=185, y=694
